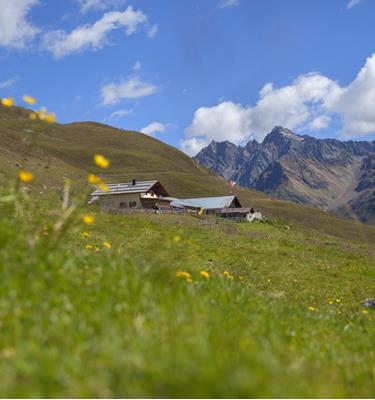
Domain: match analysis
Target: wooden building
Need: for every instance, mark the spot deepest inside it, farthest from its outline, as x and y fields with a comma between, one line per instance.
x=129, y=195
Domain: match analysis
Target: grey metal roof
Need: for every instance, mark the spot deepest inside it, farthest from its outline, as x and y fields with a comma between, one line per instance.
x=127, y=187
x=207, y=203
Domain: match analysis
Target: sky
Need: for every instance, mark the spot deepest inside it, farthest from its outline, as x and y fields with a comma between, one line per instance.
x=191, y=71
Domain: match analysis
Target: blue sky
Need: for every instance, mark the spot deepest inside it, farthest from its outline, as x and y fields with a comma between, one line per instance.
x=192, y=71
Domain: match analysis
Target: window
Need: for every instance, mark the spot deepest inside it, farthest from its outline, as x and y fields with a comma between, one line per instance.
x=124, y=204
x=132, y=204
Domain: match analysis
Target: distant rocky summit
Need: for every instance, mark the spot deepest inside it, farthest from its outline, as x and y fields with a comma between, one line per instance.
x=330, y=174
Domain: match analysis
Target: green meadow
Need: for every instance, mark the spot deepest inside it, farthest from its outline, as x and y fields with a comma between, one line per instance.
x=120, y=308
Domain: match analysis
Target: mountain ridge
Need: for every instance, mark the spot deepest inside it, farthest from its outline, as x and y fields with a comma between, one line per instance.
x=303, y=169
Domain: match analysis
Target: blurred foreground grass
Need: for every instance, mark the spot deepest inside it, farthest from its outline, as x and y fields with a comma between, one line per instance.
x=80, y=319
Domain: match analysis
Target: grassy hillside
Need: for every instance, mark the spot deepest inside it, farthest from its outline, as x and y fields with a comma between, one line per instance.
x=104, y=310
x=56, y=151
x=170, y=306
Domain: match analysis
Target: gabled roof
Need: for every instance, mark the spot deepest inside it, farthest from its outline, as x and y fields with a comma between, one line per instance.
x=127, y=187
x=207, y=203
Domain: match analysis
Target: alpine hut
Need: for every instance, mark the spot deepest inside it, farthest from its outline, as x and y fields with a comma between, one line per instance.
x=129, y=195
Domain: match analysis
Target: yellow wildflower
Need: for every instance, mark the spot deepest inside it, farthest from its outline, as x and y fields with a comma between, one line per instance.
x=25, y=176
x=177, y=238
x=85, y=234
x=364, y=311
x=205, y=274
x=101, y=161
x=226, y=273
x=93, y=179
x=50, y=118
x=42, y=115
x=338, y=300
x=33, y=116
x=107, y=245
x=189, y=280
x=88, y=247
x=311, y=308
x=88, y=219
x=230, y=277
x=183, y=274
x=97, y=249
x=7, y=102
x=103, y=187
x=29, y=100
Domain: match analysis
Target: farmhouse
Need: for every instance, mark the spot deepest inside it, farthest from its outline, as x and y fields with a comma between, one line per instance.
x=129, y=195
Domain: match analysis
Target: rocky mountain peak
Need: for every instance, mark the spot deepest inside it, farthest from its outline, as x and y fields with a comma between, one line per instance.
x=280, y=134
x=327, y=173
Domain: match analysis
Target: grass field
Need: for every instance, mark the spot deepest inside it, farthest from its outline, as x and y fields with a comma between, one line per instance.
x=103, y=310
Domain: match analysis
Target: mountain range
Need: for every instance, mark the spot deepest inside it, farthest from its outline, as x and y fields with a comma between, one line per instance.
x=336, y=176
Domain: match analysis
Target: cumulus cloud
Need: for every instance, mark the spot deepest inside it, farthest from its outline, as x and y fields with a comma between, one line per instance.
x=355, y=103
x=226, y=120
x=308, y=103
x=153, y=128
x=15, y=28
x=94, y=36
x=229, y=3
x=95, y=5
x=193, y=145
x=132, y=88
x=116, y=115
x=353, y=3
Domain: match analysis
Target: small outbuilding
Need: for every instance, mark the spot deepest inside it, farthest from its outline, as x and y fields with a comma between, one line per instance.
x=210, y=205
x=241, y=214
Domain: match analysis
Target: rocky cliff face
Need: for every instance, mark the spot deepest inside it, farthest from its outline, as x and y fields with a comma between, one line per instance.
x=327, y=173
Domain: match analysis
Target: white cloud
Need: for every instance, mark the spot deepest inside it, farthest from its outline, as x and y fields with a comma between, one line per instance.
x=95, y=5
x=229, y=3
x=9, y=82
x=226, y=120
x=132, y=88
x=153, y=128
x=320, y=122
x=355, y=103
x=193, y=145
x=15, y=28
x=93, y=36
x=353, y=3
x=309, y=103
x=152, y=31
x=116, y=115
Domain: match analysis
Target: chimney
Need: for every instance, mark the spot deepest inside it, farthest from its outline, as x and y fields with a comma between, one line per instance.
x=134, y=182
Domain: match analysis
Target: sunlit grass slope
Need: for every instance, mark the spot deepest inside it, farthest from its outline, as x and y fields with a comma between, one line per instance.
x=54, y=151
x=280, y=314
